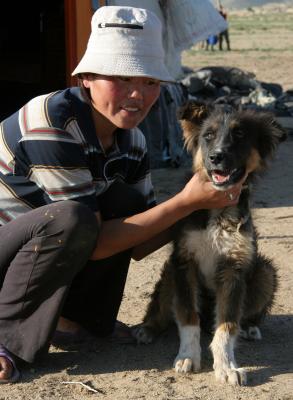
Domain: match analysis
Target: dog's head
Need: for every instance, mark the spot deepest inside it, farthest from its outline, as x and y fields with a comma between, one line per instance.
x=226, y=144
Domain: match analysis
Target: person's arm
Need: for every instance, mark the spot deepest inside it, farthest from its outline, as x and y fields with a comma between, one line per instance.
x=120, y=234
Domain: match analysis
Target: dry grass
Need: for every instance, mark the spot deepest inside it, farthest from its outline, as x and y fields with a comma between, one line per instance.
x=261, y=43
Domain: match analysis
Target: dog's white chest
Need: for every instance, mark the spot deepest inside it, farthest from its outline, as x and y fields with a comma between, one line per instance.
x=198, y=245
x=206, y=246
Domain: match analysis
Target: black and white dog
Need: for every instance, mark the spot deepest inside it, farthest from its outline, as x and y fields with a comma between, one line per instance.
x=215, y=272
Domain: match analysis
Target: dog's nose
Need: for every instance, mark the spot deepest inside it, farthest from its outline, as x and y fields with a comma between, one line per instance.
x=217, y=157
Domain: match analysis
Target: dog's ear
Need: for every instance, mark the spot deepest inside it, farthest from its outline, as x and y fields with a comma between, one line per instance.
x=271, y=133
x=193, y=111
x=191, y=115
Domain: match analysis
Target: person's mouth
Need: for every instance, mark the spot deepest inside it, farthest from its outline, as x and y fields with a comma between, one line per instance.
x=131, y=109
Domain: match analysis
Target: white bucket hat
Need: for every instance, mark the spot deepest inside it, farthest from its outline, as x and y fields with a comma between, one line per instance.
x=125, y=41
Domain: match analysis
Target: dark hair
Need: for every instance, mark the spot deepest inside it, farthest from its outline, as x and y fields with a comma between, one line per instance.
x=85, y=91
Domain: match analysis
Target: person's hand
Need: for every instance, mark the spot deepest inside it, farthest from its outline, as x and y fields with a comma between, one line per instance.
x=199, y=194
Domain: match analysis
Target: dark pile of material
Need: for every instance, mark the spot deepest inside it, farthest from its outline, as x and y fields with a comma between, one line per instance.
x=240, y=89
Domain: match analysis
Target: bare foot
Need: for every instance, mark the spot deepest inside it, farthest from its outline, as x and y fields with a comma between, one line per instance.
x=6, y=369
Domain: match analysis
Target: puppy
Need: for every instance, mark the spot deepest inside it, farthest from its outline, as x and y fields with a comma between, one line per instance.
x=215, y=273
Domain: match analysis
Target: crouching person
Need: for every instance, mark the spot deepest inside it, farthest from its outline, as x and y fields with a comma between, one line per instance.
x=76, y=198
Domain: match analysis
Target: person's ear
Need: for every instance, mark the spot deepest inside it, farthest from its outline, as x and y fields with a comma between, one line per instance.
x=85, y=79
x=86, y=82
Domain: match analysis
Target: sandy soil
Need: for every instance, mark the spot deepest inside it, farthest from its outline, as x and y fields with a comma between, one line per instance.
x=116, y=371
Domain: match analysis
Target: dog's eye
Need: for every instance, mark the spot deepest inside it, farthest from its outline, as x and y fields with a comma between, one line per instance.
x=209, y=135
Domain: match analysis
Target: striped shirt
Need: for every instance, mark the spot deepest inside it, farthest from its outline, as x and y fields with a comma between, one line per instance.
x=49, y=151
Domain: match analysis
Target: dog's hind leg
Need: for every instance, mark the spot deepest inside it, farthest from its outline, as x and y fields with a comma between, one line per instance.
x=261, y=287
x=159, y=311
x=229, y=303
x=187, y=319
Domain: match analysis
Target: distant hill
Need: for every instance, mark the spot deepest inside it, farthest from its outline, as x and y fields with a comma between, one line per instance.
x=240, y=4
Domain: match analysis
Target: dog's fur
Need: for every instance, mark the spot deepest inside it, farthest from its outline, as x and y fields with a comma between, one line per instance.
x=215, y=272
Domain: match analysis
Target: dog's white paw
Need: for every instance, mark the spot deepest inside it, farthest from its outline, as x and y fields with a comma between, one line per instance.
x=225, y=367
x=234, y=376
x=143, y=334
x=251, y=333
x=184, y=364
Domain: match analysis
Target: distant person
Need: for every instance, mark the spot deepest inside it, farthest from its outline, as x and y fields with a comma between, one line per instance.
x=212, y=40
x=224, y=35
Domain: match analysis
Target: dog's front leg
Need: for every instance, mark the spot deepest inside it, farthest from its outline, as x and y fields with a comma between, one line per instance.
x=188, y=358
x=229, y=303
x=187, y=320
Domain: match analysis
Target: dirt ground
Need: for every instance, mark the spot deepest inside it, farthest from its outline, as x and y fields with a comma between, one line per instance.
x=261, y=43
x=120, y=372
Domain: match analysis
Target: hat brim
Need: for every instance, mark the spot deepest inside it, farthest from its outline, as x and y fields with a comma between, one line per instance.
x=124, y=65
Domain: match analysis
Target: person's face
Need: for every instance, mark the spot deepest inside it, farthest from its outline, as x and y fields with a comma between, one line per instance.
x=124, y=101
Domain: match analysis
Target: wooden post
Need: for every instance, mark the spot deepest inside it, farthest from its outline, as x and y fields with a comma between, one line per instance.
x=78, y=16
x=70, y=40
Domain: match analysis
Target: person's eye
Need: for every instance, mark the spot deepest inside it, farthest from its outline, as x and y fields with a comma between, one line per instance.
x=124, y=78
x=153, y=82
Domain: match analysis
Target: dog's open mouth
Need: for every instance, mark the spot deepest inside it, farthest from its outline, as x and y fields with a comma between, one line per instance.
x=223, y=178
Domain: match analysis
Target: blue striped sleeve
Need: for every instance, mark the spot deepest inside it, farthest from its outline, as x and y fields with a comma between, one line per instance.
x=57, y=165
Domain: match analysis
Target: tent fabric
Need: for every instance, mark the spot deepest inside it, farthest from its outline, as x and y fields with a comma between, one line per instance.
x=161, y=129
x=193, y=21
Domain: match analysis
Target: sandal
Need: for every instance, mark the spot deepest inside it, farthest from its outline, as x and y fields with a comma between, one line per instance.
x=63, y=340
x=122, y=334
x=15, y=376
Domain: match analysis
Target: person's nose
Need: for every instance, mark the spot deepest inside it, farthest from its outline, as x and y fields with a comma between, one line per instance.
x=136, y=92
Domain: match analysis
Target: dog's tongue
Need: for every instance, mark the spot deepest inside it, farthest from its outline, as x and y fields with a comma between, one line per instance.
x=220, y=177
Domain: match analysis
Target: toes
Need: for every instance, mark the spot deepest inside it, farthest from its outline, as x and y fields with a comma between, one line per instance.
x=183, y=365
x=236, y=377
x=6, y=368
